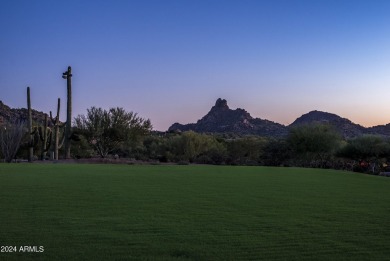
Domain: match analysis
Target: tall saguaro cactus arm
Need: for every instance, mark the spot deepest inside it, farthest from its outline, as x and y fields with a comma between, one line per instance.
x=30, y=130
x=56, y=123
x=45, y=136
x=68, y=127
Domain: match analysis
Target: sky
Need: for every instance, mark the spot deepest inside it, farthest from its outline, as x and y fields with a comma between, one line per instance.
x=169, y=61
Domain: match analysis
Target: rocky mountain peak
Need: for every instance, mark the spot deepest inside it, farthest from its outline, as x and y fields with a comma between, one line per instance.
x=221, y=104
x=3, y=106
x=222, y=119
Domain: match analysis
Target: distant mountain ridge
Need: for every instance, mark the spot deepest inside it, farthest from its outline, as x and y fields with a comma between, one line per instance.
x=222, y=119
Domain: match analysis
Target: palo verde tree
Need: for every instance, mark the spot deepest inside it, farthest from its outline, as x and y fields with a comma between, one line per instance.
x=190, y=146
x=107, y=130
x=314, y=143
x=246, y=150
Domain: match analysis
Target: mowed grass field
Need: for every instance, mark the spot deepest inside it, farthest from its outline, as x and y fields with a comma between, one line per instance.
x=122, y=212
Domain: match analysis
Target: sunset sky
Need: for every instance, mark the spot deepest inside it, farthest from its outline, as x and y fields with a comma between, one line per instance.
x=170, y=60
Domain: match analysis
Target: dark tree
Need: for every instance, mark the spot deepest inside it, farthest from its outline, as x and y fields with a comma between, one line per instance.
x=106, y=130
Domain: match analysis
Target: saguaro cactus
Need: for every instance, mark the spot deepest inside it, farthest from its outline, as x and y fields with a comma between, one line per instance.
x=68, y=127
x=57, y=126
x=30, y=129
x=45, y=135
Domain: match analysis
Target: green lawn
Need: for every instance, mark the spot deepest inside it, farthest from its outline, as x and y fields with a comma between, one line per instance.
x=122, y=212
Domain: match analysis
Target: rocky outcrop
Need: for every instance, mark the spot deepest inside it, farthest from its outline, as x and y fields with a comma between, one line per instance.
x=380, y=130
x=8, y=115
x=222, y=119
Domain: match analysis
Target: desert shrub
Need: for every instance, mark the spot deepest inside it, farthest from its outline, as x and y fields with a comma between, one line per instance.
x=246, y=150
x=277, y=152
x=371, y=151
x=314, y=145
x=10, y=139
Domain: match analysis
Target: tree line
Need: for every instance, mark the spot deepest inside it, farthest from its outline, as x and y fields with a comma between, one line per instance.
x=116, y=133
x=314, y=145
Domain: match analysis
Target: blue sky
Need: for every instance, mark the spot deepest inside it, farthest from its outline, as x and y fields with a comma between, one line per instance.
x=170, y=60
